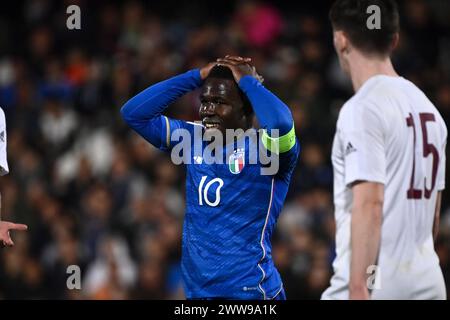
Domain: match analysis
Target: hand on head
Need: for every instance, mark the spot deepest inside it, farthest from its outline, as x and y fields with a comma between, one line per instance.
x=239, y=66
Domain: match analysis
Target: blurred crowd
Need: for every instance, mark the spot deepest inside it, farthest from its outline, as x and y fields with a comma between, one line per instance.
x=95, y=194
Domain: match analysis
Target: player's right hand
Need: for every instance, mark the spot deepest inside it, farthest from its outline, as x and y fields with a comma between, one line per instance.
x=204, y=72
x=240, y=66
x=359, y=293
x=5, y=227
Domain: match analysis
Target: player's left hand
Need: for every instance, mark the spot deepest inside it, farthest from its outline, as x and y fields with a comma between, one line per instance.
x=5, y=227
x=239, y=66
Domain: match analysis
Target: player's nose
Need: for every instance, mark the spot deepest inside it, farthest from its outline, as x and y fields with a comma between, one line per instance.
x=208, y=108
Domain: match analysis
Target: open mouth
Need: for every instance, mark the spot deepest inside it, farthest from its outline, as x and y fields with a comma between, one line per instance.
x=211, y=124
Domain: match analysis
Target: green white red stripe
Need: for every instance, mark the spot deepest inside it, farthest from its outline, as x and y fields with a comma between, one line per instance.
x=236, y=162
x=237, y=165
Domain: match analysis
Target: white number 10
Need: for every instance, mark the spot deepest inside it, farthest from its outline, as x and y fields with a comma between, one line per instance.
x=203, y=193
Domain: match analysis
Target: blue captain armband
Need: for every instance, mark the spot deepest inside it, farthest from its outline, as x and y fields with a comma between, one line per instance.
x=281, y=144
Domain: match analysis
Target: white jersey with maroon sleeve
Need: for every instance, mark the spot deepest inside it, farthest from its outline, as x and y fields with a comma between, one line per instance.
x=390, y=133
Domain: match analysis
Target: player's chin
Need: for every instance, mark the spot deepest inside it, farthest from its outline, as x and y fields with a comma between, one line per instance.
x=214, y=129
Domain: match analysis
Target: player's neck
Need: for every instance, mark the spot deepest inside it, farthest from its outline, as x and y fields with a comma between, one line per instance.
x=363, y=68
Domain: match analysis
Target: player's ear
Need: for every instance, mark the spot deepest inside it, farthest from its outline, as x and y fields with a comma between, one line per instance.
x=395, y=41
x=341, y=42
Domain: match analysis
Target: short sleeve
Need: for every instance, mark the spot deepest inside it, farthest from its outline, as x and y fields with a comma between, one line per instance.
x=361, y=130
x=3, y=157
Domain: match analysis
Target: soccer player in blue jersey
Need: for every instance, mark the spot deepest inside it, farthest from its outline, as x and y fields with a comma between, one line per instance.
x=231, y=208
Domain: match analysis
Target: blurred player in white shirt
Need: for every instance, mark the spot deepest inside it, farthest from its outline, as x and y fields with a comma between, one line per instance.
x=5, y=226
x=389, y=168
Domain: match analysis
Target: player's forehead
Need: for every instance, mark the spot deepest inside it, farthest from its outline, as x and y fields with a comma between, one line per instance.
x=216, y=87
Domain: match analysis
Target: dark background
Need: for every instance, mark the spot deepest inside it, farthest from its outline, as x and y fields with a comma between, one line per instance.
x=96, y=195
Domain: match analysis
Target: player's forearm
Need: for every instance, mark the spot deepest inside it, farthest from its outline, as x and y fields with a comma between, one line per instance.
x=365, y=241
x=151, y=102
x=437, y=215
x=272, y=113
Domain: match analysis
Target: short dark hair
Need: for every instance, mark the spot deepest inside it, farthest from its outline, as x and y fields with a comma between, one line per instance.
x=222, y=72
x=350, y=16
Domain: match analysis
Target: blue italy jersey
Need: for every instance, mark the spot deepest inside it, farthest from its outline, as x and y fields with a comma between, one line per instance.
x=231, y=212
x=231, y=207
